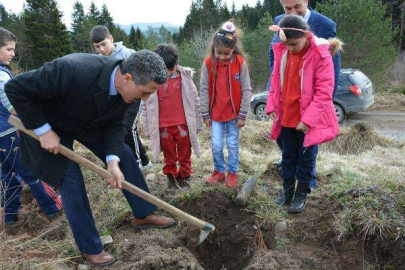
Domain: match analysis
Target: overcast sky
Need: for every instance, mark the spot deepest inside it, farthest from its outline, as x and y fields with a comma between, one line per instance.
x=130, y=11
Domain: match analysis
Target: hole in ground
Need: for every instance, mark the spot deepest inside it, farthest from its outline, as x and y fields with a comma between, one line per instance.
x=232, y=244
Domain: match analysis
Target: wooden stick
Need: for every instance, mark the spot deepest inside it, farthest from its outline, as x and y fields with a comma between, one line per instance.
x=126, y=185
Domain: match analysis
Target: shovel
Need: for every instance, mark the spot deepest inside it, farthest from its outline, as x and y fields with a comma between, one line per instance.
x=205, y=227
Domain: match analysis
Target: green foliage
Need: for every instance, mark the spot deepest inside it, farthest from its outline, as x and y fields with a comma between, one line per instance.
x=193, y=52
x=47, y=36
x=367, y=35
x=256, y=47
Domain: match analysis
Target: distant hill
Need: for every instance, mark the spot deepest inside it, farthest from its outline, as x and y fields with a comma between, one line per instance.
x=144, y=26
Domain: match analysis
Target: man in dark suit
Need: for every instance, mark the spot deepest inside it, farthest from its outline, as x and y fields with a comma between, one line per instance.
x=84, y=97
x=320, y=25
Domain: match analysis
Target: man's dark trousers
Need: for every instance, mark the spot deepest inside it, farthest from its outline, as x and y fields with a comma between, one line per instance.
x=298, y=160
x=76, y=203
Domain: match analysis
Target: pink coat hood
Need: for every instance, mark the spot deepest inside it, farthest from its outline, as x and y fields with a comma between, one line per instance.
x=317, y=83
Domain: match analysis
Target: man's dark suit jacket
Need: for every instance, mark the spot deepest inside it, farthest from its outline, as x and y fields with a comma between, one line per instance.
x=322, y=27
x=71, y=94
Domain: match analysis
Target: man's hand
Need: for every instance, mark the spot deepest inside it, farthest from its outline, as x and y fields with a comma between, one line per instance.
x=207, y=122
x=273, y=116
x=302, y=127
x=50, y=141
x=118, y=177
x=240, y=123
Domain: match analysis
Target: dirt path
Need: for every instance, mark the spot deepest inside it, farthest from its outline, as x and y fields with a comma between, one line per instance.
x=388, y=123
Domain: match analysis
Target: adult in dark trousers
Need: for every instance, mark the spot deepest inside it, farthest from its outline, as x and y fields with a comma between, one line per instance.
x=321, y=26
x=84, y=97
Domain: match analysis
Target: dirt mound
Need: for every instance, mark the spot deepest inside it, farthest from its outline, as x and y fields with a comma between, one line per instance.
x=156, y=251
x=360, y=138
x=272, y=173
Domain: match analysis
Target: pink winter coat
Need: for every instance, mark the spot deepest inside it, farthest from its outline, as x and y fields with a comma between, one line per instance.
x=317, y=83
x=192, y=111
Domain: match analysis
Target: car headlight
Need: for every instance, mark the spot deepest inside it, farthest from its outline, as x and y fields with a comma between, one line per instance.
x=252, y=98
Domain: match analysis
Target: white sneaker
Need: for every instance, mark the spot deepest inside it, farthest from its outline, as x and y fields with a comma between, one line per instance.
x=147, y=167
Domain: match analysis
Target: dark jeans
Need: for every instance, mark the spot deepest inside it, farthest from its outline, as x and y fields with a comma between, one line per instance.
x=129, y=140
x=76, y=202
x=12, y=172
x=298, y=161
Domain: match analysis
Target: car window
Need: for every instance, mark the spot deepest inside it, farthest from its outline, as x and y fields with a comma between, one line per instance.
x=358, y=78
x=344, y=82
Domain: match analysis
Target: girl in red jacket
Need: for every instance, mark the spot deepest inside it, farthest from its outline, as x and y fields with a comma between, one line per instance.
x=225, y=96
x=300, y=104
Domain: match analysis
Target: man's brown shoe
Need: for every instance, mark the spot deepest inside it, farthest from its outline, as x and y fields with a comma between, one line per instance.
x=101, y=259
x=153, y=221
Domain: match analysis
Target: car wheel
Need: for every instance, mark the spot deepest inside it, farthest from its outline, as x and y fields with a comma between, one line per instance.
x=260, y=114
x=340, y=113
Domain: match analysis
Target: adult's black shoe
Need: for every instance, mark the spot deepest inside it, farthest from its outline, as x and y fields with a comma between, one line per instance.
x=300, y=198
x=287, y=193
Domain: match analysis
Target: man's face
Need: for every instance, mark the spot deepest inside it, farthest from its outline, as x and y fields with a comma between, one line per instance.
x=131, y=92
x=297, y=7
x=105, y=47
x=7, y=53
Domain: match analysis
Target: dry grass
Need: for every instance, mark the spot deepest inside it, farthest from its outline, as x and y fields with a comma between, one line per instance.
x=377, y=162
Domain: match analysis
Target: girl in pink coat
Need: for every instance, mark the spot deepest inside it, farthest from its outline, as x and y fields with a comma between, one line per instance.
x=300, y=104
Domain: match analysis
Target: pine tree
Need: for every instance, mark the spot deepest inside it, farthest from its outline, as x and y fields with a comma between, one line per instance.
x=94, y=14
x=4, y=20
x=140, y=42
x=47, y=36
x=233, y=11
x=225, y=15
x=132, y=36
x=106, y=19
x=80, y=38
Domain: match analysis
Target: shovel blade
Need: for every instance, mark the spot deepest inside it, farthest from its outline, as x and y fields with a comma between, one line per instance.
x=205, y=232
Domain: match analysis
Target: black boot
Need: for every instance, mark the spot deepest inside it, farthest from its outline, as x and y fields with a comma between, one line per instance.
x=300, y=198
x=287, y=194
x=184, y=182
x=172, y=184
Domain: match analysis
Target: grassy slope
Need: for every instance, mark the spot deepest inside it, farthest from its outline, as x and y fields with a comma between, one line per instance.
x=365, y=191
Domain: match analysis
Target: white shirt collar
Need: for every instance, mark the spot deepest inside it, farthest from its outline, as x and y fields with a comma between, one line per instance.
x=307, y=15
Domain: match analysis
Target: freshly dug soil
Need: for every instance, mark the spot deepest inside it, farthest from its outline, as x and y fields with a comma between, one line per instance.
x=232, y=245
x=156, y=251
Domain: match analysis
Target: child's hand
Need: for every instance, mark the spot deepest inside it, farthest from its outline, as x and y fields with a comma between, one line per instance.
x=273, y=116
x=302, y=127
x=207, y=122
x=240, y=123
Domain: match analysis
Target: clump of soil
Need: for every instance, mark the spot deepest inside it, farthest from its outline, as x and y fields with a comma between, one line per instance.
x=360, y=138
x=273, y=173
x=232, y=245
x=156, y=251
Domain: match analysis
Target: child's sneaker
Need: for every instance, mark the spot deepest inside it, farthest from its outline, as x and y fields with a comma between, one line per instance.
x=216, y=177
x=231, y=180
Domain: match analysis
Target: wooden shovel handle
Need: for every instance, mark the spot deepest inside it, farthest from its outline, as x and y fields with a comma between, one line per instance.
x=106, y=174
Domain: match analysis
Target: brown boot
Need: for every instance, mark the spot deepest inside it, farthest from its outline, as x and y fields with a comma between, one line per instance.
x=153, y=221
x=101, y=259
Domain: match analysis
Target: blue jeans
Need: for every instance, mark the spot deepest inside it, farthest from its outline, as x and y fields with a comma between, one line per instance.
x=231, y=132
x=298, y=161
x=12, y=172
